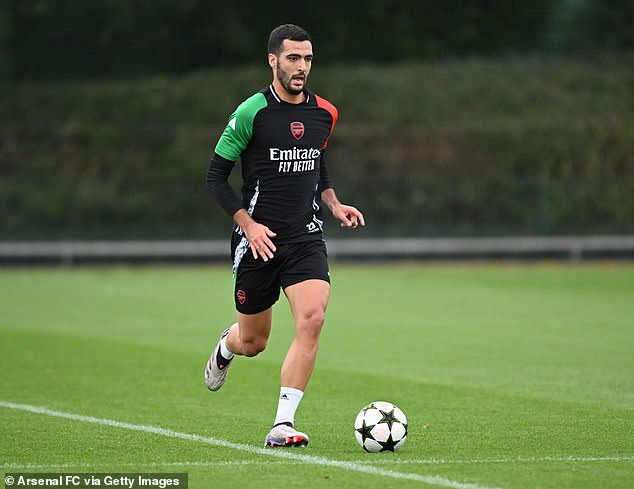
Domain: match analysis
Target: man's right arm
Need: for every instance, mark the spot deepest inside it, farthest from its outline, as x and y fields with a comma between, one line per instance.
x=233, y=141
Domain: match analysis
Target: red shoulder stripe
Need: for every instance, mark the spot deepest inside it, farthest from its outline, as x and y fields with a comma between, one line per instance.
x=334, y=113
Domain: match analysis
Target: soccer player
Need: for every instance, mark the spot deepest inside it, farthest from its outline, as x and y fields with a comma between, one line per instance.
x=280, y=135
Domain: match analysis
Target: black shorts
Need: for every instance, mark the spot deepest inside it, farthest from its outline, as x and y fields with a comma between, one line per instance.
x=258, y=283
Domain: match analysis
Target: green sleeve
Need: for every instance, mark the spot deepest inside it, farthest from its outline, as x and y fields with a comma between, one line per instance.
x=237, y=134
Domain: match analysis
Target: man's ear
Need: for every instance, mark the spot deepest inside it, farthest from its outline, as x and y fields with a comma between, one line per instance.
x=272, y=60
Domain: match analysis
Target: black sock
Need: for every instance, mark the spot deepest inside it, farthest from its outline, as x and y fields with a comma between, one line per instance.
x=221, y=361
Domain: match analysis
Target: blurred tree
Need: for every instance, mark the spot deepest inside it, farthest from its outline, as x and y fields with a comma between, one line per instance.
x=70, y=39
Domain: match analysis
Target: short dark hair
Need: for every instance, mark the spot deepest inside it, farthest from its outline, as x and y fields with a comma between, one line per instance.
x=286, y=31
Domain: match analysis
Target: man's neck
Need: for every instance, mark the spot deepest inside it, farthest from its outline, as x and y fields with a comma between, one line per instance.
x=288, y=97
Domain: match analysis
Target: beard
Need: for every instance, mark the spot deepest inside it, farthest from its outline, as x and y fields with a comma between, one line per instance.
x=286, y=79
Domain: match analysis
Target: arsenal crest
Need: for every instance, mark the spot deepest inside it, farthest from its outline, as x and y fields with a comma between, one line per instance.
x=297, y=130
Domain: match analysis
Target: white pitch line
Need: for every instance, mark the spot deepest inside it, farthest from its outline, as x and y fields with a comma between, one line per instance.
x=285, y=454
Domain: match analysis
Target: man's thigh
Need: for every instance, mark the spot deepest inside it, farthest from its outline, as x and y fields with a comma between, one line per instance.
x=255, y=327
x=308, y=300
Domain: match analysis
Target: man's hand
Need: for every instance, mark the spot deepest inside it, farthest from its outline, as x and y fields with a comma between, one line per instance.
x=349, y=216
x=258, y=235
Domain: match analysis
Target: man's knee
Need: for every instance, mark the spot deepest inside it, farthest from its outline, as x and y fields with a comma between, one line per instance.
x=312, y=322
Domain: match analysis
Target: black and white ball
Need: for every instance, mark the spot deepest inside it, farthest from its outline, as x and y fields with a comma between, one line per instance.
x=380, y=427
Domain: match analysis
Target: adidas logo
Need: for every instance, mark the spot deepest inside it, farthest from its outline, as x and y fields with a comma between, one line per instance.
x=284, y=397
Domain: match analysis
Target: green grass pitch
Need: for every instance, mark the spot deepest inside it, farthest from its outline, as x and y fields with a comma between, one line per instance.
x=512, y=376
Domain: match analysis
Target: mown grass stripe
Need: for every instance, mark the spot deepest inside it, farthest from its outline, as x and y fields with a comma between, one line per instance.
x=285, y=454
x=228, y=463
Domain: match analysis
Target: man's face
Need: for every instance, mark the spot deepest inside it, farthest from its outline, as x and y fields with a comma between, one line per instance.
x=293, y=64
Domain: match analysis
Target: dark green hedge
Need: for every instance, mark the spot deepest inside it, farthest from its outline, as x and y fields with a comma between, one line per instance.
x=512, y=146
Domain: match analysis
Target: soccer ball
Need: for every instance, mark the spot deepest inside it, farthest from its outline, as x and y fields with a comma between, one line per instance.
x=380, y=427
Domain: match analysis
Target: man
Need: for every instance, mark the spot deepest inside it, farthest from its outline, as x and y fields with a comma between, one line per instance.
x=280, y=135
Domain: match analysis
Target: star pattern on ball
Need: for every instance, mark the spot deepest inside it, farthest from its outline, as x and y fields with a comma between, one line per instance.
x=388, y=417
x=365, y=430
